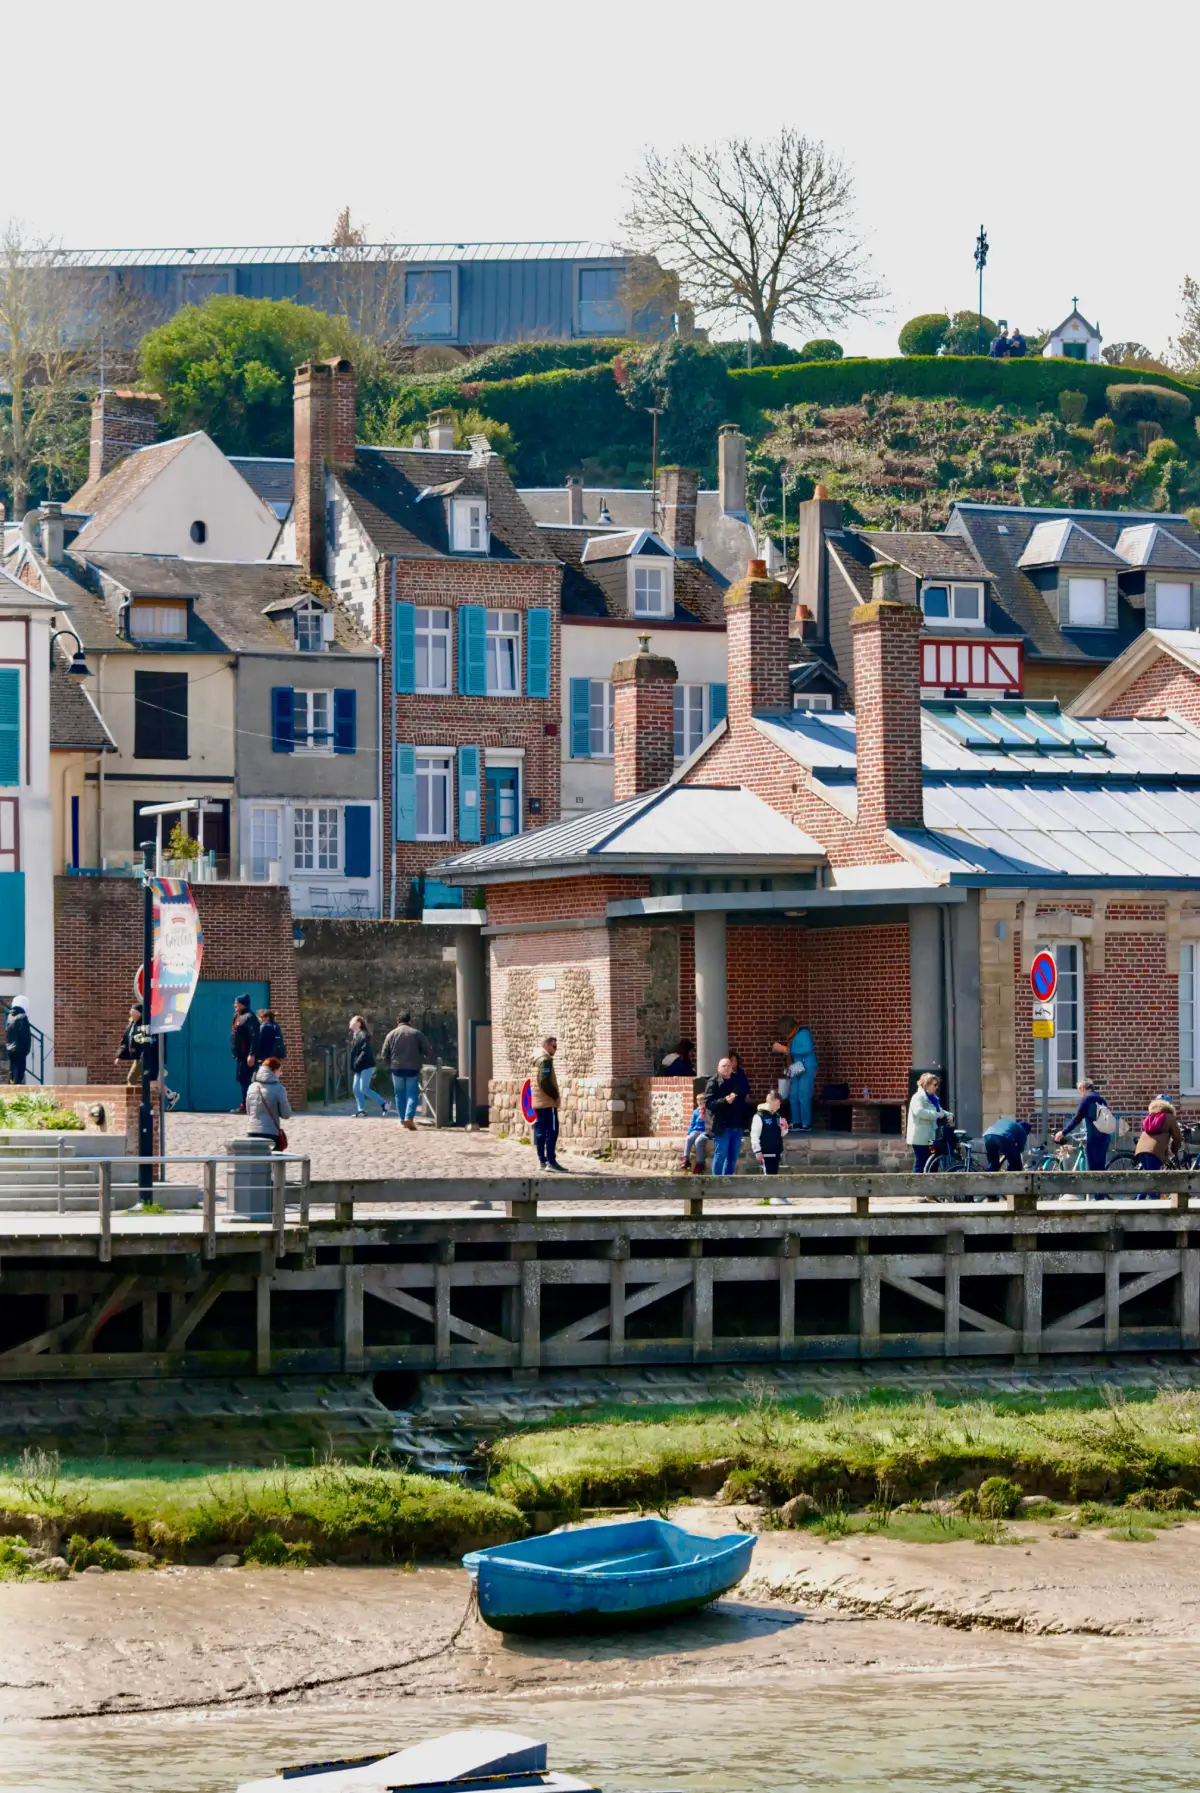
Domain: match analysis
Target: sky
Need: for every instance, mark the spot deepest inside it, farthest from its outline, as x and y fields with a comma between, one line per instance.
x=1067, y=130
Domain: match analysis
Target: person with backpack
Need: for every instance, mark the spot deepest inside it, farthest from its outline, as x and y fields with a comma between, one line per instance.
x=1160, y=1136
x=270, y=1037
x=545, y=1098
x=766, y=1133
x=1099, y=1124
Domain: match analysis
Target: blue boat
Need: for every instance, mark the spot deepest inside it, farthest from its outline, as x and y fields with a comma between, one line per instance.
x=603, y=1577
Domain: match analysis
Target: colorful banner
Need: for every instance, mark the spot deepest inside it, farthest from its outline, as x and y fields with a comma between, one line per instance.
x=178, y=952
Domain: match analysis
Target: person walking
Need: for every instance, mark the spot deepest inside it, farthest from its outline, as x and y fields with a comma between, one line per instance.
x=1004, y=1141
x=767, y=1131
x=698, y=1134
x=1160, y=1136
x=267, y=1105
x=723, y=1100
x=924, y=1114
x=270, y=1037
x=404, y=1051
x=130, y=1048
x=244, y=1047
x=801, y=1052
x=18, y=1038
x=544, y=1093
x=1099, y=1124
x=362, y=1068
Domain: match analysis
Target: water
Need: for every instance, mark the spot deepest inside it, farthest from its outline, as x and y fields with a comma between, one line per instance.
x=1114, y=1723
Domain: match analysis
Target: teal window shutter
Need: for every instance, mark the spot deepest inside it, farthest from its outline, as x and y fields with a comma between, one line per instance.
x=12, y=918
x=537, y=653
x=405, y=783
x=718, y=704
x=472, y=650
x=10, y=729
x=581, y=719
x=406, y=648
x=283, y=719
x=357, y=862
x=468, y=794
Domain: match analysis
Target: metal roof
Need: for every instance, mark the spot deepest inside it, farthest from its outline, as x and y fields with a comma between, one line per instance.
x=564, y=249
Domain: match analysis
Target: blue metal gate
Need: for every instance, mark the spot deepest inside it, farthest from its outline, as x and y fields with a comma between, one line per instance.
x=199, y=1061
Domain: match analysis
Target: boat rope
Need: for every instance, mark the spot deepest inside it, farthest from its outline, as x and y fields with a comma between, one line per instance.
x=310, y=1683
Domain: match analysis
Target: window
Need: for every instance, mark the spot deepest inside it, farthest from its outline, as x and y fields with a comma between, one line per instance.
x=432, y=629
x=199, y=532
x=813, y=700
x=1086, y=606
x=601, y=307
x=311, y=634
x=503, y=653
x=315, y=835
x=264, y=842
x=312, y=730
x=429, y=301
x=601, y=720
x=470, y=525
x=501, y=802
x=1172, y=605
x=434, y=811
x=689, y=718
x=160, y=716
x=1189, y=1019
x=649, y=591
x=158, y=622
x=953, y=603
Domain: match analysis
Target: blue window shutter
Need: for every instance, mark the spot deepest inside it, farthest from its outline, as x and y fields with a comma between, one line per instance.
x=718, y=704
x=283, y=718
x=358, y=840
x=345, y=726
x=472, y=650
x=405, y=783
x=537, y=653
x=468, y=794
x=12, y=919
x=406, y=648
x=10, y=729
x=581, y=719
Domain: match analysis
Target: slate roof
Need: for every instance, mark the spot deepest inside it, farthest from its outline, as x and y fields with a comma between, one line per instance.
x=103, y=499
x=271, y=478
x=725, y=538
x=1149, y=545
x=75, y=721
x=385, y=486
x=599, y=587
x=927, y=553
x=1064, y=542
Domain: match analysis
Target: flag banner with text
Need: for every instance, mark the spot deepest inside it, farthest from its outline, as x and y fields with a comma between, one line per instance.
x=178, y=953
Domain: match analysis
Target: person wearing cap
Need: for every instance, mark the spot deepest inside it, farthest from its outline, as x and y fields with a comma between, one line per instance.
x=244, y=1046
x=18, y=1038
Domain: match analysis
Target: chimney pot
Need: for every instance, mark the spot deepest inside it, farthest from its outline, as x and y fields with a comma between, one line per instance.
x=441, y=430
x=731, y=460
x=643, y=721
x=53, y=531
x=821, y=492
x=575, y=498
x=678, y=488
x=343, y=413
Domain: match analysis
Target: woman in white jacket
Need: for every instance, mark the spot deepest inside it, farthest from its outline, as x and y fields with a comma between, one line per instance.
x=924, y=1113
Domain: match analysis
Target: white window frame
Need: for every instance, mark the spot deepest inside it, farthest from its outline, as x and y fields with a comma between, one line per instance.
x=952, y=588
x=812, y=701
x=426, y=628
x=686, y=693
x=1189, y=1018
x=322, y=823
x=1072, y=582
x=503, y=631
x=1060, y=1089
x=502, y=761
x=427, y=773
x=1175, y=587
x=469, y=531
x=144, y=612
x=309, y=614
x=303, y=737
x=260, y=859
x=666, y=588
x=600, y=718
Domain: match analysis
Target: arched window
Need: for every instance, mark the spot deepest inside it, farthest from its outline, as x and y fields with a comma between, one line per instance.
x=199, y=532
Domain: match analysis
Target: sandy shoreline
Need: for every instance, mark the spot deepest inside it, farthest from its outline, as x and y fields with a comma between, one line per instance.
x=119, y=1643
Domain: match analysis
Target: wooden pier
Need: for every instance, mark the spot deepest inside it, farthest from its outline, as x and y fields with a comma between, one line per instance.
x=570, y=1272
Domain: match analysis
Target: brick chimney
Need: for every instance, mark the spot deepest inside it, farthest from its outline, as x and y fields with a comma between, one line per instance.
x=887, y=706
x=343, y=414
x=811, y=585
x=677, y=489
x=121, y=423
x=643, y=722
x=756, y=636
x=441, y=430
x=312, y=404
x=731, y=459
x=574, y=498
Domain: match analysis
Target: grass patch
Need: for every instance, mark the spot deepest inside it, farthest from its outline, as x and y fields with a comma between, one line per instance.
x=94, y=1553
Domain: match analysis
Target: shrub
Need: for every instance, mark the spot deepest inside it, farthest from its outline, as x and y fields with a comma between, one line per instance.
x=1072, y=406
x=691, y=383
x=270, y=1551
x=999, y=1497
x=1161, y=448
x=924, y=335
x=1193, y=517
x=822, y=348
x=1160, y=1500
x=517, y=358
x=1156, y=404
x=86, y=1553
x=969, y=334
x=1148, y=434
x=1104, y=433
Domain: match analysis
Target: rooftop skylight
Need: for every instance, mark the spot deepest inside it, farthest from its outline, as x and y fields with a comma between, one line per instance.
x=1014, y=727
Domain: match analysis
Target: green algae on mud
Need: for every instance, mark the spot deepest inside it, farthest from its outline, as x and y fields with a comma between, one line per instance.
x=1097, y=1444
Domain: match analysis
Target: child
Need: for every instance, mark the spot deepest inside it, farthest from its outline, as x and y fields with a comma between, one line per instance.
x=697, y=1134
x=766, y=1133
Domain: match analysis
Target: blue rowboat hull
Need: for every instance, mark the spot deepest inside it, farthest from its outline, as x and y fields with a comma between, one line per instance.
x=605, y=1577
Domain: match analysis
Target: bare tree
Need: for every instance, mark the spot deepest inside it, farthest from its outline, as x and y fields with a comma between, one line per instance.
x=366, y=283
x=764, y=228
x=1183, y=351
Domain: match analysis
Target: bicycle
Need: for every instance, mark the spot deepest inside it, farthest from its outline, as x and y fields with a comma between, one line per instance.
x=953, y=1150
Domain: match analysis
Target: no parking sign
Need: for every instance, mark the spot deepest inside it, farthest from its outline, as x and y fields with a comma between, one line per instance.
x=1043, y=979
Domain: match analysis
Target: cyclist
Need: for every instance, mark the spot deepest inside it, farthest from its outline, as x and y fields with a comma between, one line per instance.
x=1094, y=1112
x=1005, y=1139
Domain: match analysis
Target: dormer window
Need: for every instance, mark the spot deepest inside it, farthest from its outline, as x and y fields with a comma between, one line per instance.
x=469, y=526
x=652, y=594
x=158, y=621
x=314, y=628
x=953, y=603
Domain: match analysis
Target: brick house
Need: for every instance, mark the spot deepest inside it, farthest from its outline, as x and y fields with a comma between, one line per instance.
x=439, y=559
x=1159, y=675
x=930, y=849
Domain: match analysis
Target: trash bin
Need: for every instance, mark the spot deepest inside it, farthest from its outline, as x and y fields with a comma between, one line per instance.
x=437, y=1087
x=251, y=1178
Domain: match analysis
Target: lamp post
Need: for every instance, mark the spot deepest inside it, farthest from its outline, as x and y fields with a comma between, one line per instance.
x=79, y=668
x=981, y=255
x=145, y=1111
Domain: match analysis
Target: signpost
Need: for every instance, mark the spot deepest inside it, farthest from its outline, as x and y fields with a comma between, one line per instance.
x=1043, y=980
x=172, y=947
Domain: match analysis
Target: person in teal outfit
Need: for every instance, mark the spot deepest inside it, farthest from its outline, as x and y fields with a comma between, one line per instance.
x=802, y=1069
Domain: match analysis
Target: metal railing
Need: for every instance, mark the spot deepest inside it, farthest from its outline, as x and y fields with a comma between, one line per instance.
x=337, y=1074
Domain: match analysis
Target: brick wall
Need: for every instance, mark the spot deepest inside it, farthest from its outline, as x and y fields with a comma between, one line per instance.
x=560, y=898
x=1165, y=685
x=312, y=400
x=887, y=716
x=98, y=948
x=643, y=723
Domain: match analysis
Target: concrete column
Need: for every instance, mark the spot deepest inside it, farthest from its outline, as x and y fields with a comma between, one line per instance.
x=470, y=985
x=925, y=985
x=964, y=1010
x=712, y=994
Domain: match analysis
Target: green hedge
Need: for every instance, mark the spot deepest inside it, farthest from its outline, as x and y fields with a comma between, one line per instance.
x=976, y=379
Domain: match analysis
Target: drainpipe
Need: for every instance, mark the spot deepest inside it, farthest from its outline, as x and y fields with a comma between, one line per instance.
x=387, y=744
x=102, y=660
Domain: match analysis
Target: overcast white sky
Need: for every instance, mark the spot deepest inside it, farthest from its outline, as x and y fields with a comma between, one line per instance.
x=1068, y=129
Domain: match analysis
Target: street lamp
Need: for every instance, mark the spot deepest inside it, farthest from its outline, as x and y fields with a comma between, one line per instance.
x=79, y=668
x=981, y=255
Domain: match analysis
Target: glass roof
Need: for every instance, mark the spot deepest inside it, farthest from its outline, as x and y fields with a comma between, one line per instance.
x=1016, y=725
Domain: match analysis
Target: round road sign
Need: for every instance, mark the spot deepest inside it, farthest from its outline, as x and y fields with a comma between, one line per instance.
x=139, y=983
x=1043, y=976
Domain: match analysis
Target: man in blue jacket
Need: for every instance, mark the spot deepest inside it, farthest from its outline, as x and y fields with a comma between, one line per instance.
x=1096, y=1140
x=1005, y=1139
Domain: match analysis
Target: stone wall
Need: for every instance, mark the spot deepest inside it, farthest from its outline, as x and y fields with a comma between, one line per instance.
x=378, y=969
